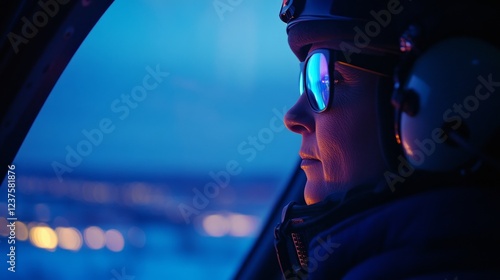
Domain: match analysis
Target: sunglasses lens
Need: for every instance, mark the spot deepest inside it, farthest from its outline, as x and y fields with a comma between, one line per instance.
x=318, y=81
x=301, y=81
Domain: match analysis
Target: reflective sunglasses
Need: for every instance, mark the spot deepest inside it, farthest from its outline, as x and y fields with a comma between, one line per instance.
x=317, y=78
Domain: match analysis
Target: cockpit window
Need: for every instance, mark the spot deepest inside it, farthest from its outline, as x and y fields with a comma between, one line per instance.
x=161, y=149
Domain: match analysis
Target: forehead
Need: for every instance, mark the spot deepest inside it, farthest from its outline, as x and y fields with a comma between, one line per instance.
x=337, y=35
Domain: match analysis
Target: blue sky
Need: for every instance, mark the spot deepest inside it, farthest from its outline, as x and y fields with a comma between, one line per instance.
x=228, y=77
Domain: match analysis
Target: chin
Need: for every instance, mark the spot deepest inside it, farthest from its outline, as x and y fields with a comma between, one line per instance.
x=316, y=191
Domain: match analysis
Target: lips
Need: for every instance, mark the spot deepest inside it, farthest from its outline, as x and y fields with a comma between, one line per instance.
x=307, y=160
x=307, y=156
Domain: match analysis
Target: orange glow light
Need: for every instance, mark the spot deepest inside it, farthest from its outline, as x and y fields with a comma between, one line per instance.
x=216, y=225
x=94, y=237
x=43, y=237
x=114, y=240
x=69, y=238
x=242, y=225
x=22, y=233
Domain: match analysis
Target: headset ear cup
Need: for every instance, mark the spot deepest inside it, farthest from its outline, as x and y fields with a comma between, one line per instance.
x=410, y=104
x=448, y=92
x=396, y=101
x=405, y=100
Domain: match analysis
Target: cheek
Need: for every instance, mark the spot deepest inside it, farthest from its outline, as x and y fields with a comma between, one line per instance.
x=333, y=143
x=347, y=135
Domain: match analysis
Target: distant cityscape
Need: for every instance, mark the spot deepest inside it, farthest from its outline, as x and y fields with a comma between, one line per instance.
x=116, y=220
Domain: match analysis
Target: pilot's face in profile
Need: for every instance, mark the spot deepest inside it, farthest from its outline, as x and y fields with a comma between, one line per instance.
x=340, y=146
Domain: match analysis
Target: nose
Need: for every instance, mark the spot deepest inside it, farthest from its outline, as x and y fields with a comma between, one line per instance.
x=299, y=118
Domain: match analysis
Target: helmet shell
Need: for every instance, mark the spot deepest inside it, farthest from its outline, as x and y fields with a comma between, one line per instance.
x=352, y=26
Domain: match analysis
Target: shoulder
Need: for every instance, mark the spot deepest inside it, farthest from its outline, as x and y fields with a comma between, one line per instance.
x=432, y=232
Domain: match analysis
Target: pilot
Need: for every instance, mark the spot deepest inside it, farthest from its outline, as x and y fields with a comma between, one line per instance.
x=397, y=109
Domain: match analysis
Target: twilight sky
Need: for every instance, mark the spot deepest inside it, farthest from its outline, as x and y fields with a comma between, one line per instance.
x=163, y=87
